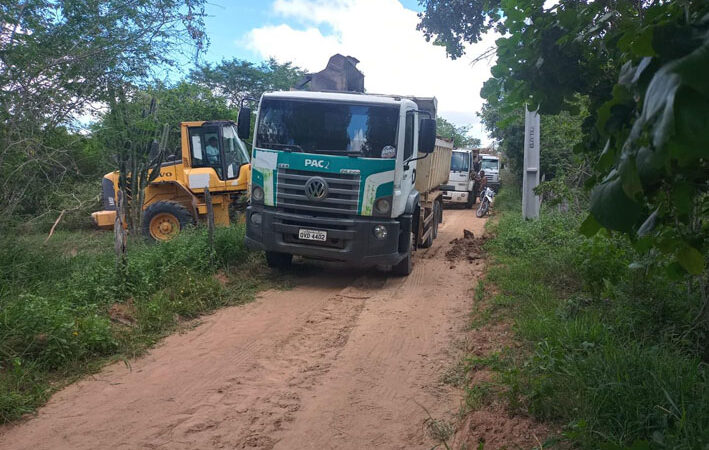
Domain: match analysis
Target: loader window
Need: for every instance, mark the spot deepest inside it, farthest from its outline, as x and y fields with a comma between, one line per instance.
x=205, y=149
x=235, y=153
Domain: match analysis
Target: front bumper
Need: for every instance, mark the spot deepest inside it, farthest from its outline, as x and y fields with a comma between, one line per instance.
x=455, y=196
x=349, y=240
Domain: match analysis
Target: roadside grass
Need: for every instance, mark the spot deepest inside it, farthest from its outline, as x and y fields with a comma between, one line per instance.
x=65, y=310
x=608, y=353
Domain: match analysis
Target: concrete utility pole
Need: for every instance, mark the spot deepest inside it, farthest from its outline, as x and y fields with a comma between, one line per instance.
x=530, y=176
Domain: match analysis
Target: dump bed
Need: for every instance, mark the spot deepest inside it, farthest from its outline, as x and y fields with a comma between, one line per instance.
x=433, y=171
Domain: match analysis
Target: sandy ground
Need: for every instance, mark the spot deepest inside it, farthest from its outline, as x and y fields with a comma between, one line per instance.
x=345, y=359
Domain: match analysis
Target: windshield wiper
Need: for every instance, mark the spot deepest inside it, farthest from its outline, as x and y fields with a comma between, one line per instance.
x=288, y=147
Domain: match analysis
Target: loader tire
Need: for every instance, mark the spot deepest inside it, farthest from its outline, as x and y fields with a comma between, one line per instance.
x=163, y=221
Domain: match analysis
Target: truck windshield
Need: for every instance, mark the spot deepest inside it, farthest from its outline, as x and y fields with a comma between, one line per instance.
x=489, y=164
x=328, y=127
x=459, y=162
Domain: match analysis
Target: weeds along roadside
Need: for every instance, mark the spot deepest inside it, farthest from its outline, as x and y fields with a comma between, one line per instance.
x=66, y=311
x=608, y=354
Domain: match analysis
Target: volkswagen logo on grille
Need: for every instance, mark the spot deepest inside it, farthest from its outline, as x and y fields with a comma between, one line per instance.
x=316, y=189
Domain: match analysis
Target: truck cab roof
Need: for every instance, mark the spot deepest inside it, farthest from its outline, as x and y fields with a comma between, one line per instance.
x=429, y=104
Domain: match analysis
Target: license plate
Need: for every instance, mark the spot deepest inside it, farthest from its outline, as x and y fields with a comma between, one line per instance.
x=312, y=235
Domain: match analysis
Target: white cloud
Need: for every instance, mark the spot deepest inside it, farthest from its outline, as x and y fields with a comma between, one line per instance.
x=394, y=56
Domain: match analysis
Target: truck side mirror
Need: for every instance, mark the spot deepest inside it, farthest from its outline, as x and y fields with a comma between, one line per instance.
x=243, y=124
x=427, y=135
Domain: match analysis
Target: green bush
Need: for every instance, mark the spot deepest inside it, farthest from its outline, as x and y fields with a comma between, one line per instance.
x=56, y=301
x=611, y=350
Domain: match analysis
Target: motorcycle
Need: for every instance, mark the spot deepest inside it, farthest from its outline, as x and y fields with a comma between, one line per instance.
x=486, y=198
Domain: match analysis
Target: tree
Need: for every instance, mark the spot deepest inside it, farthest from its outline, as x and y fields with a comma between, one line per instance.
x=460, y=136
x=559, y=134
x=61, y=59
x=640, y=65
x=238, y=79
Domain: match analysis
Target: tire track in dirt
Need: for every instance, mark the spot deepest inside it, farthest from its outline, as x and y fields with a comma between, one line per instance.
x=346, y=359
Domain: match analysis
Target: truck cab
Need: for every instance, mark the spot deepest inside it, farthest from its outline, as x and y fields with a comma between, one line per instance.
x=490, y=164
x=461, y=182
x=333, y=177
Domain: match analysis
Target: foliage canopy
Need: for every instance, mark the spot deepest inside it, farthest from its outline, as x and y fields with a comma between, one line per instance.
x=640, y=65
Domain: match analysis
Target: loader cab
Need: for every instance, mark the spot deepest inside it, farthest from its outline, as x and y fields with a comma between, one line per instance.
x=215, y=145
x=214, y=156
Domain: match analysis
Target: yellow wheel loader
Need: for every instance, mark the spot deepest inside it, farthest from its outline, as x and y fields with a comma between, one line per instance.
x=212, y=156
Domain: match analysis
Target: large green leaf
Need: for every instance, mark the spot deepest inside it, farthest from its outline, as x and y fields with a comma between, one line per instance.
x=632, y=186
x=642, y=44
x=682, y=197
x=691, y=140
x=658, y=109
x=648, y=225
x=590, y=226
x=694, y=68
x=691, y=260
x=611, y=207
x=651, y=164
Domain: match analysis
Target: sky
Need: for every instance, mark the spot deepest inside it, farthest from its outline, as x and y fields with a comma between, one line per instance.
x=394, y=57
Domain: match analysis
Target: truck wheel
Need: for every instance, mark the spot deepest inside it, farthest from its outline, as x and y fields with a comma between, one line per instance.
x=471, y=200
x=163, y=221
x=429, y=240
x=278, y=260
x=406, y=265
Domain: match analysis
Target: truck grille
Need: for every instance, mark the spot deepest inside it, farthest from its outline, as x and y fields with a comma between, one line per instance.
x=489, y=177
x=342, y=197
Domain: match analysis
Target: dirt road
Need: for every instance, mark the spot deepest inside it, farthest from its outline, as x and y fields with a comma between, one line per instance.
x=345, y=359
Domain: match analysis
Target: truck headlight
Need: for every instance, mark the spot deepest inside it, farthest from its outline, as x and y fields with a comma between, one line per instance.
x=257, y=194
x=382, y=206
x=380, y=232
x=256, y=218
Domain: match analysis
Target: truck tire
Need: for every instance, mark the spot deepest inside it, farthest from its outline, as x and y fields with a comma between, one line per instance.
x=437, y=218
x=164, y=220
x=429, y=240
x=406, y=265
x=471, y=200
x=278, y=260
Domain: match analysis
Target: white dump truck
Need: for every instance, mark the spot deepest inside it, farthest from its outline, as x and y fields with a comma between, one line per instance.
x=461, y=187
x=346, y=177
x=490, y=164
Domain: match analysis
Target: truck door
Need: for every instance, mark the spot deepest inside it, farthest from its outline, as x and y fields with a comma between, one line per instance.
x=410, y=150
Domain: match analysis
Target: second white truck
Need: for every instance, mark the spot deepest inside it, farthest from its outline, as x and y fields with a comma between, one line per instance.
x=461, y=181
x=490, y=164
